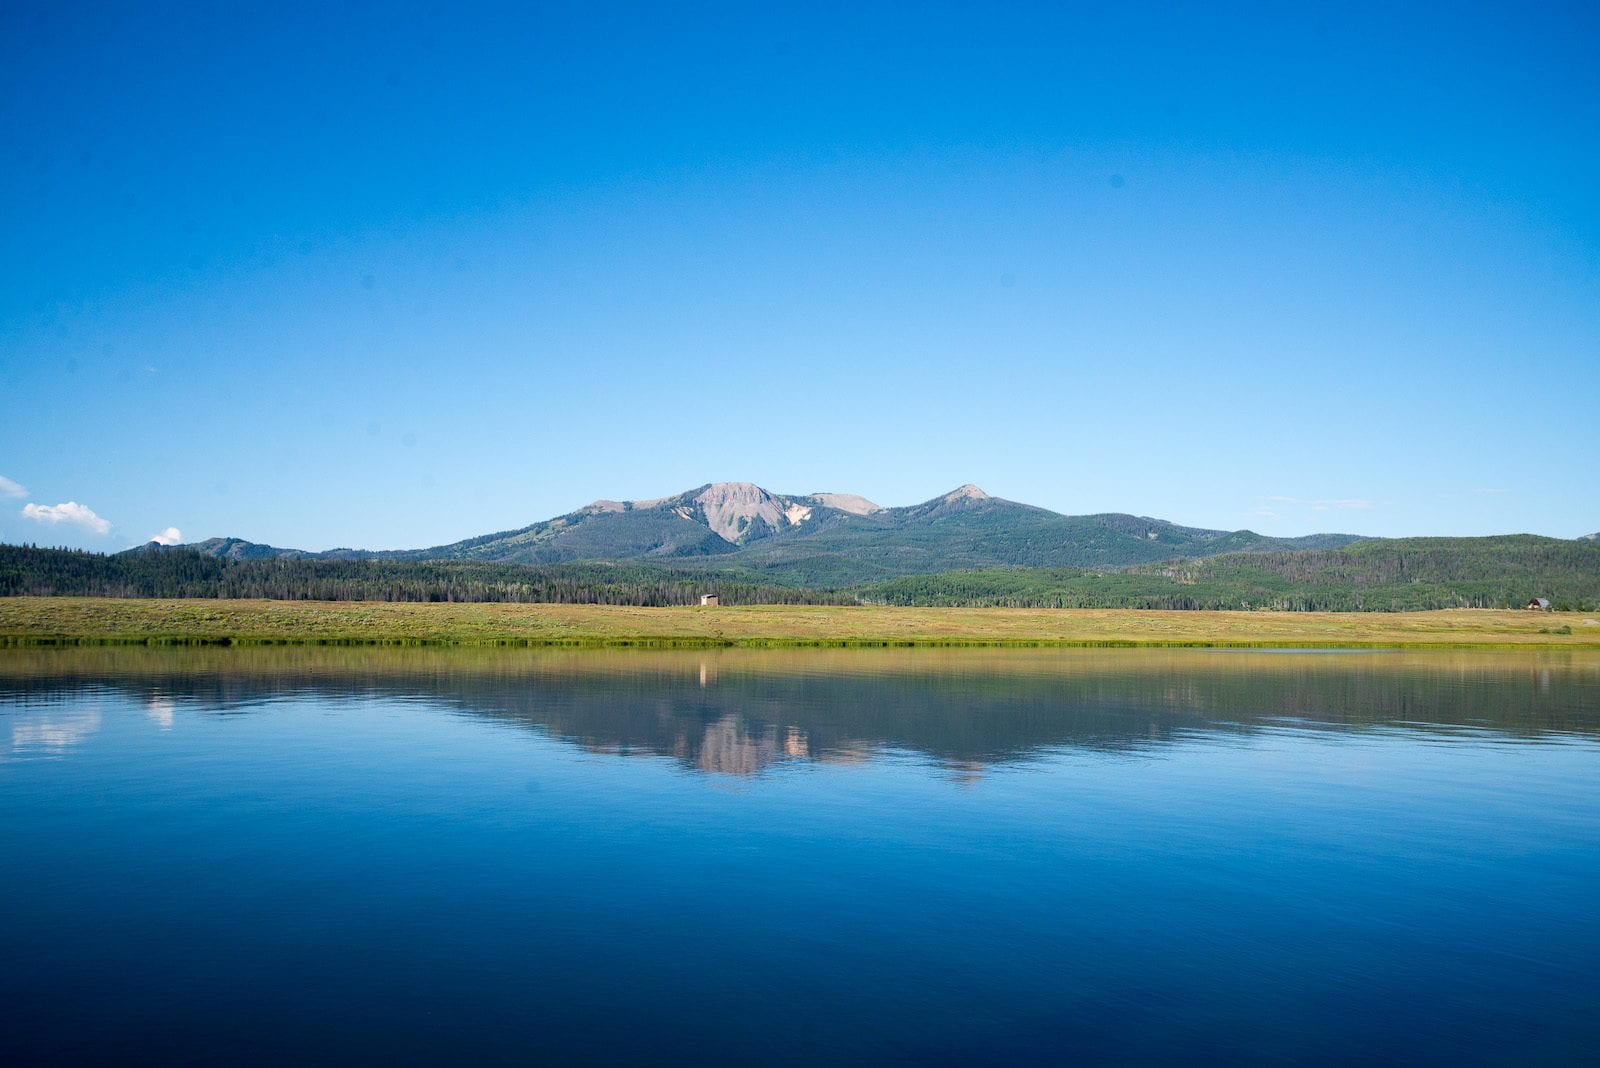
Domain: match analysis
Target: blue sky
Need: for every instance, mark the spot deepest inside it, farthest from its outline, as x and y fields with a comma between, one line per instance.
x=396, y=275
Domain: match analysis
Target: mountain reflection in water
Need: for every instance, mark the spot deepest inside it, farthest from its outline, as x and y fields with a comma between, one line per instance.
x=269, y=856
x=739, y=712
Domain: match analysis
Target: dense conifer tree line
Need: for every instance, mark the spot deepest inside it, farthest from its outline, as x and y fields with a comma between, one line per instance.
x=1377, y=575
x=27, y=570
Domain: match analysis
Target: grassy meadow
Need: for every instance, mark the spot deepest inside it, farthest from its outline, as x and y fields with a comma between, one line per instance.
x=93, y=620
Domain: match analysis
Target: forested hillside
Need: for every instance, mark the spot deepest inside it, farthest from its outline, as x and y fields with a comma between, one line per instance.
x=984, y=532
x=25, y=570
x=1378, y=575
x=1398, y=575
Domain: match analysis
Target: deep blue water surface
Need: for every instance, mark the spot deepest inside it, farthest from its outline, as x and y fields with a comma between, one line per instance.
x=911, y=856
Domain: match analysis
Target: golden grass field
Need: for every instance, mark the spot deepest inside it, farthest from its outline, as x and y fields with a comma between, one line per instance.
x=88, y=620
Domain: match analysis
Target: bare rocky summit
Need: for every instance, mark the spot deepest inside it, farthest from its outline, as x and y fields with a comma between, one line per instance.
x=847, y=502
x=967, y=492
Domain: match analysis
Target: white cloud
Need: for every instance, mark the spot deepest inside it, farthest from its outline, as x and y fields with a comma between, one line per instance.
x=9, y=488
x=170, y=536
x=69, y=512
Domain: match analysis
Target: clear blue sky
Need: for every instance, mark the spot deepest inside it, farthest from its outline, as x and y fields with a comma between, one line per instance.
x=393, y=275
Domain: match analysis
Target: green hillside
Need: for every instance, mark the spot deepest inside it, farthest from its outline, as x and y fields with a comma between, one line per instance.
x=989, y=533
x=1375, y=575
x=630, y=535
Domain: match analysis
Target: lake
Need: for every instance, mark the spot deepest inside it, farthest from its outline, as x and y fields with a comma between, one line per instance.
x=913, y=856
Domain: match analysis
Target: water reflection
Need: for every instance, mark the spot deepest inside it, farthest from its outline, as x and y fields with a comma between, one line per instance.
x=1265, y=858
x=740, y=712
x=52, y=732
x=730, y=747
x=161, y=710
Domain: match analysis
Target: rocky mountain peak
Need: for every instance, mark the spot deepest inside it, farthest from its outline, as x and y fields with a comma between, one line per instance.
x=847, y=502
x=742, y=491
x=967, y=492
x=731, y=508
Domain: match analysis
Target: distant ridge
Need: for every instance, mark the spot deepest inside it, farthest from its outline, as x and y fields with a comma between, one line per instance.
x=823, y=539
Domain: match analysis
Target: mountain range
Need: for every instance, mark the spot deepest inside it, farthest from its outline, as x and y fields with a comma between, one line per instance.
x=824, y=539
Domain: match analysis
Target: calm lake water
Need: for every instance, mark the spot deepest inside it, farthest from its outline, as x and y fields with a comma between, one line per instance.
x=916, y=856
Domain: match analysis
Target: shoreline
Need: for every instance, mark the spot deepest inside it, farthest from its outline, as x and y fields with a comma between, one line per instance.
x=82, y=621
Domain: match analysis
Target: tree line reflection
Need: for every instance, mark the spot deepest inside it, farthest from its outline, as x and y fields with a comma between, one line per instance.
x=740, y=712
